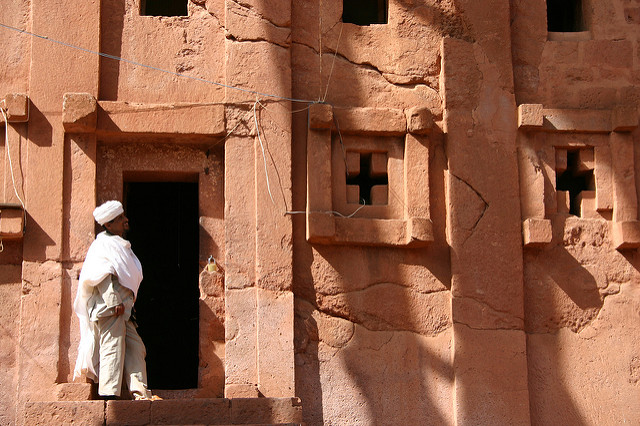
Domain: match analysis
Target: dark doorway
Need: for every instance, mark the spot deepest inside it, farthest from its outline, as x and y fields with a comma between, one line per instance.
x=163, y=218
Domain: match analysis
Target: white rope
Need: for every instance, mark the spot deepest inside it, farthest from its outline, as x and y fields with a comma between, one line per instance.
x=264, y=158
x=335, y=53
x=6, y=138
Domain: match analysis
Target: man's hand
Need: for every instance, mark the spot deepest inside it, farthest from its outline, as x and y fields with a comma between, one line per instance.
x=118, y=310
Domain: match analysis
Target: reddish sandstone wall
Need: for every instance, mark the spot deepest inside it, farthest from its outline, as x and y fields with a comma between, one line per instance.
x=581, y=294
x=373, y=324
x=193, y=46
x=428, y=310
x=14, y=69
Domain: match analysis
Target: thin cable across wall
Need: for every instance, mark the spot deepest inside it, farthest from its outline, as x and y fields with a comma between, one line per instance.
x=138, y=64
x=202, y=80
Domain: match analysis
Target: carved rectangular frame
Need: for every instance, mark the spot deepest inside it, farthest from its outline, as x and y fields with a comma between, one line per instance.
x=406, y=224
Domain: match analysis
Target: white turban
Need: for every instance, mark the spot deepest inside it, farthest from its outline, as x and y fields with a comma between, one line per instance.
x=108, y=211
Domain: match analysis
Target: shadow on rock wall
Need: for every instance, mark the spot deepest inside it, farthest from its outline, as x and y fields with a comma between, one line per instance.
x=112, y=25
x=566, y=284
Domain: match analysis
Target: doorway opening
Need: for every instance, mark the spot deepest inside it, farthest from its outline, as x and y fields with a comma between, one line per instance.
x=164, y=234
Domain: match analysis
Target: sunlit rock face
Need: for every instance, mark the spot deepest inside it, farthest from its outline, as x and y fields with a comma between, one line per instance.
x=348, y=212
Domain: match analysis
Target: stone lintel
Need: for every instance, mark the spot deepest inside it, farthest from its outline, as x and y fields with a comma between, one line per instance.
x=175, y=118
x=535, y=117
x=419, y=120
x=626, y=235
x=79, y=113
x=320, y=116
x=375, y=121
x=577, y=120
x=17, y=107
x=11, y=221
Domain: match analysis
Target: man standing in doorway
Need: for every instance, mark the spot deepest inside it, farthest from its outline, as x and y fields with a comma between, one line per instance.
x=110, y=348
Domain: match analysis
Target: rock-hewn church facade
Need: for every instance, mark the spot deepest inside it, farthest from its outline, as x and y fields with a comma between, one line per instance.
x=348, y=212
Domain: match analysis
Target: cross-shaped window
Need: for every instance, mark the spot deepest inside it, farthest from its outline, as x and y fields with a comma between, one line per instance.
x=370, y=177
x=575, y=179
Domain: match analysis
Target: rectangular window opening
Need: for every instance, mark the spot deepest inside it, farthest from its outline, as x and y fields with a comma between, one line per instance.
x=565, y=16
x=164, y=8
x=365, y=12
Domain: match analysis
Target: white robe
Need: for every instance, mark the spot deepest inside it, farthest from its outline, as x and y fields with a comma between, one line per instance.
x=108, y=254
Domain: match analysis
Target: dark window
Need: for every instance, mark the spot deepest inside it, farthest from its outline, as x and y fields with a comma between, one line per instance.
x=565, y=16
x=164, y=234
x=367, y=178
x=163, y=8
x=575, y=180
x=364, y=12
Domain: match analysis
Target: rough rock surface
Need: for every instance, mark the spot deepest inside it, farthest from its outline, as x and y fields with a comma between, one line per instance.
x=474, y=288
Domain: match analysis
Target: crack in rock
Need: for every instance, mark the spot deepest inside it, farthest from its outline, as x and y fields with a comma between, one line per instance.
x=240, y=39
x=381, y=283
x=410, y=81
x=497, y=315
x=484, y=209
x=251, y=11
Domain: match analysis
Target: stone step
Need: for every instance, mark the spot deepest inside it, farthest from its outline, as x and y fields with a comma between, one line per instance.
x=200, y=411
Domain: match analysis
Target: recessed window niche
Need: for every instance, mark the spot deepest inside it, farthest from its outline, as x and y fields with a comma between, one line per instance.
x=565, y=16
x=368, y=178
x=364, y=12
x=163, y=8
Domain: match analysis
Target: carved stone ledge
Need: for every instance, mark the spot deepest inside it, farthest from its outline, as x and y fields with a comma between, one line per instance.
x=320, y=116
x=393, y=145
x=534, y=117
x=419, y=120
x=79, y=113
x=116, y=117
x=17, y=107
x=536, y=232
x=626, y=235
x=530, y=116
x=11, y=221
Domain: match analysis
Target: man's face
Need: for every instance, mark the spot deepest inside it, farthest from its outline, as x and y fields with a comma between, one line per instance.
x=118, y=226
